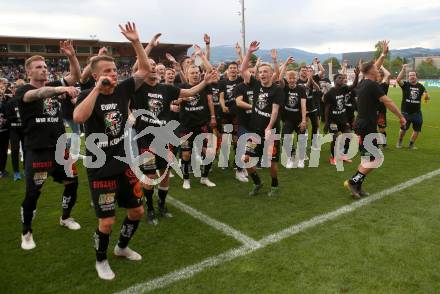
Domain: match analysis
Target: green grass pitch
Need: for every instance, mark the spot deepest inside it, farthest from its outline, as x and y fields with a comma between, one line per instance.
x=390, y=246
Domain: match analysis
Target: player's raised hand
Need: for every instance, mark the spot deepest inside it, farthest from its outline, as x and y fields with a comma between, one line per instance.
x=130, y=32
x=67, y=48
x=254, y=46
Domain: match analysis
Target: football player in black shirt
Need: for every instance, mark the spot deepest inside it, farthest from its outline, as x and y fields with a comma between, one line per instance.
x=384, y=82
x=336, y=120
x=308, y=80
x=42, y=126
x=104, y=110
x=228, y=105
x=15, y=132
x=369, y=95
x=294, y=110
x=412, y=94
x=268, y=99
x=159, y=99
x=197, y=116
x=4, y=130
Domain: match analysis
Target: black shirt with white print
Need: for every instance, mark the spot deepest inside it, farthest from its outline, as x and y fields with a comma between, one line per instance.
x=412, y=97
x=226, y=86
x=336, y=98
x=109, y=117
x=292, y=102
x=195, y=111
x=42, y=119
x=243, y=115
x=215, y=89
x=264, y=98
x=311, y=93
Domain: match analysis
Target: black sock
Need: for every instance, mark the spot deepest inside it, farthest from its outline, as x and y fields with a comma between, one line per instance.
x=128, y=229
x=149, y=198
x=69, y=199
x=206, y=169
x=255, y=178
x=163, y=191
x=185, y=164
x=101, y=245
x=411, y=143
x=275, y=182
x=358, y=178
x=332, y=146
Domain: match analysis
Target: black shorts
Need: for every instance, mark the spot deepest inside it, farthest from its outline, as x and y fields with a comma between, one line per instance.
x=40, y=164
x=416, y=119
x=256, y=150
x=290, y=126
x=339, y=127
x=232, y=119
x=188, y=144
x=382, y=120
x=362, y=133
x=125, y=189
x=153, y=162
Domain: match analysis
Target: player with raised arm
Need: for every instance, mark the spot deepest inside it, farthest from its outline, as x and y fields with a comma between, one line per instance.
x=412, y=94
x=268, y=98
x=369, y=95
x=42, y=123
x=294, y=109
x=104, y=110
x=161, y=100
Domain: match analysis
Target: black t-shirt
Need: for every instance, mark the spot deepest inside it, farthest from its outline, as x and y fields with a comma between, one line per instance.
x=335, y=97
x=109, y=117
x=385, y=87
x=13, y=113
x=195, y=112
x=67, y=107
x=89, y=84
x=156, y=99
x=351, y=102
x=42, y=119
x=313, y=95
x=368, y=92
x=244, y=116
x=4, y=124
x=215, y=89
x=264, y=98
x=292, y=102
x=412, y=97
x=226, y=86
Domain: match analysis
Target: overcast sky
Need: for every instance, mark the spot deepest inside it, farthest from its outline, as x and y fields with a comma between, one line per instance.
x=313, y=25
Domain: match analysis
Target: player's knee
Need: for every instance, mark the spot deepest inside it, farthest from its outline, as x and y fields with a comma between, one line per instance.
x=106, y=224
x=135, y=213
x=186, y=155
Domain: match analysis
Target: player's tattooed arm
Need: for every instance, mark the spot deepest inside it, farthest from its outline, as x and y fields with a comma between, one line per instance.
x=46, y=92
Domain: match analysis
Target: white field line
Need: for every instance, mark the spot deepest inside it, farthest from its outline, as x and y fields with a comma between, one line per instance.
x=229, y=255
x=228, y=230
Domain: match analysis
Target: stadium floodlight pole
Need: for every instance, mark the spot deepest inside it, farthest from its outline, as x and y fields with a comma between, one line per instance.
x=243, y=27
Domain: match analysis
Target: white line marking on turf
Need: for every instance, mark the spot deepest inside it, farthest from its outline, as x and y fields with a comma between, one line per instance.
x=226, y=229
x=229, y=255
